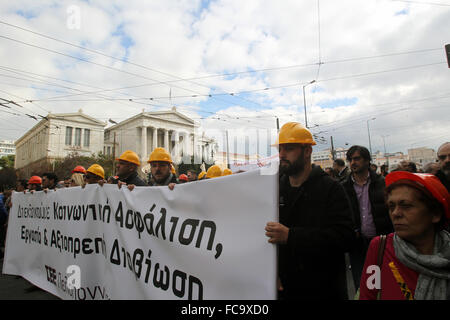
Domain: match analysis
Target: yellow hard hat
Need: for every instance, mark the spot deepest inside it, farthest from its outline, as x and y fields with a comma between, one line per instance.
x=172, y=169
x=97, y=170
x=201, y=175
x=160, y=154
x=130, y=156
x=214, y=172
x=227, y=172
x=294, y=132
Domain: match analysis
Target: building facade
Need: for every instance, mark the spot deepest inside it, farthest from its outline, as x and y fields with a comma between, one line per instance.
x=7, y=148
x=422, y=156
x=55, y=137
x=170, y=130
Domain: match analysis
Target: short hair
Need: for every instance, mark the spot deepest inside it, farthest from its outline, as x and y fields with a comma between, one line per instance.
x=340, y=162
x=51, y=176
x=363, y=151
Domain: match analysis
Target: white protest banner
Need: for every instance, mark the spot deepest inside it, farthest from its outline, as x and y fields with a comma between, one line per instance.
x=203, y=240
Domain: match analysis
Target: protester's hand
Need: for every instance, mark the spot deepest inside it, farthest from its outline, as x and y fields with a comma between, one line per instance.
x=31, y=191
x=101, y=182
x=120, y=184
x=131, y=187
x=45, y=190
x=172, y=185
x=277, y=233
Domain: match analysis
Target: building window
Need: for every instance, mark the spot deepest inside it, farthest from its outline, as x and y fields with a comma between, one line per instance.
x=109, y=151
x=77, y=137
x=87, y=137
x=68, y=136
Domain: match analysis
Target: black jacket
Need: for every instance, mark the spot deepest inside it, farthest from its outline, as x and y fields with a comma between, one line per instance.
x=312, y=264
x=134, y=179
x=444, y=180
x=171, y=179
x=380, y=213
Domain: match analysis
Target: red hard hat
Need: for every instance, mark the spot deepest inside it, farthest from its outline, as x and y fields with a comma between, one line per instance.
x=183, y=177
x=35, y=180
x=79, y=169
x=429, y=181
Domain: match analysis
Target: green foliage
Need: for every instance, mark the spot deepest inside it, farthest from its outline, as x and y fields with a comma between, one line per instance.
x=7, y=161
x=7, y=179
x=184, y=167
x=64, y=167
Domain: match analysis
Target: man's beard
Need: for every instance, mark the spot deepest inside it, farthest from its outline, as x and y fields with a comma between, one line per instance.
x=446, y=169
x=163, y=179
x=294, y=168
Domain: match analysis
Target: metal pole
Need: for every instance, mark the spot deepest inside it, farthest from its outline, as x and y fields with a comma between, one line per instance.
x=385, y=154
x=368, y=132
x=228, y=153
x=304, y=101
x=114, y=154
x=333, y=153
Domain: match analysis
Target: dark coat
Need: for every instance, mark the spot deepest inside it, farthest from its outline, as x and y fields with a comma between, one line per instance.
x=444, y=180
x=312, y=263
x=134, y=179
x=171, y=179
x=380, y=212
x=342, y=176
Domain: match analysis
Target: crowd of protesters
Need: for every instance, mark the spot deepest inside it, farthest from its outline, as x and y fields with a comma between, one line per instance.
x=396, y=221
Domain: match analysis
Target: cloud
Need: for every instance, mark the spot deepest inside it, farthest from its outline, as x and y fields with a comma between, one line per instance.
x=374, y=64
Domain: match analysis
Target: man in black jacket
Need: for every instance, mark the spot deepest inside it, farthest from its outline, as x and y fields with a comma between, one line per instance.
x=365, y=189
x=162, y=172
x=342, y=171
x=127, y=166
x=315, y=228
x=444, y=161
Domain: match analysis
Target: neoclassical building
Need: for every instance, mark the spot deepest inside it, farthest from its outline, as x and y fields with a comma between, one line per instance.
x=55, y=137
x=171, y=130
x=58, y=135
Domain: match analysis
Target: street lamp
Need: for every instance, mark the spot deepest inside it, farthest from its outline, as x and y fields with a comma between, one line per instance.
x=368, y=132
x=304, y=101
x=385, y=155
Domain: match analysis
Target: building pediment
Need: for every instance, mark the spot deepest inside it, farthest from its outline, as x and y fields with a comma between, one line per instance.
x=77, y=117
x=172, y=116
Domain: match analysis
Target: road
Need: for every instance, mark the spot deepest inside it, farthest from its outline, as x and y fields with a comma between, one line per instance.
x=17, y=288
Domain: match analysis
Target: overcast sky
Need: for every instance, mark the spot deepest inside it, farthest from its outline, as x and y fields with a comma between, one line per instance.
x=234, y=65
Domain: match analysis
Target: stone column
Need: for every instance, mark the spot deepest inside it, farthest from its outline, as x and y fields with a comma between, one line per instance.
x=176, y=147
x=155, y=138
x=166, y=140
x=144, y=142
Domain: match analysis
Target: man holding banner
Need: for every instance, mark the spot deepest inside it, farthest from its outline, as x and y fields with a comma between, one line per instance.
x=315, y=228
